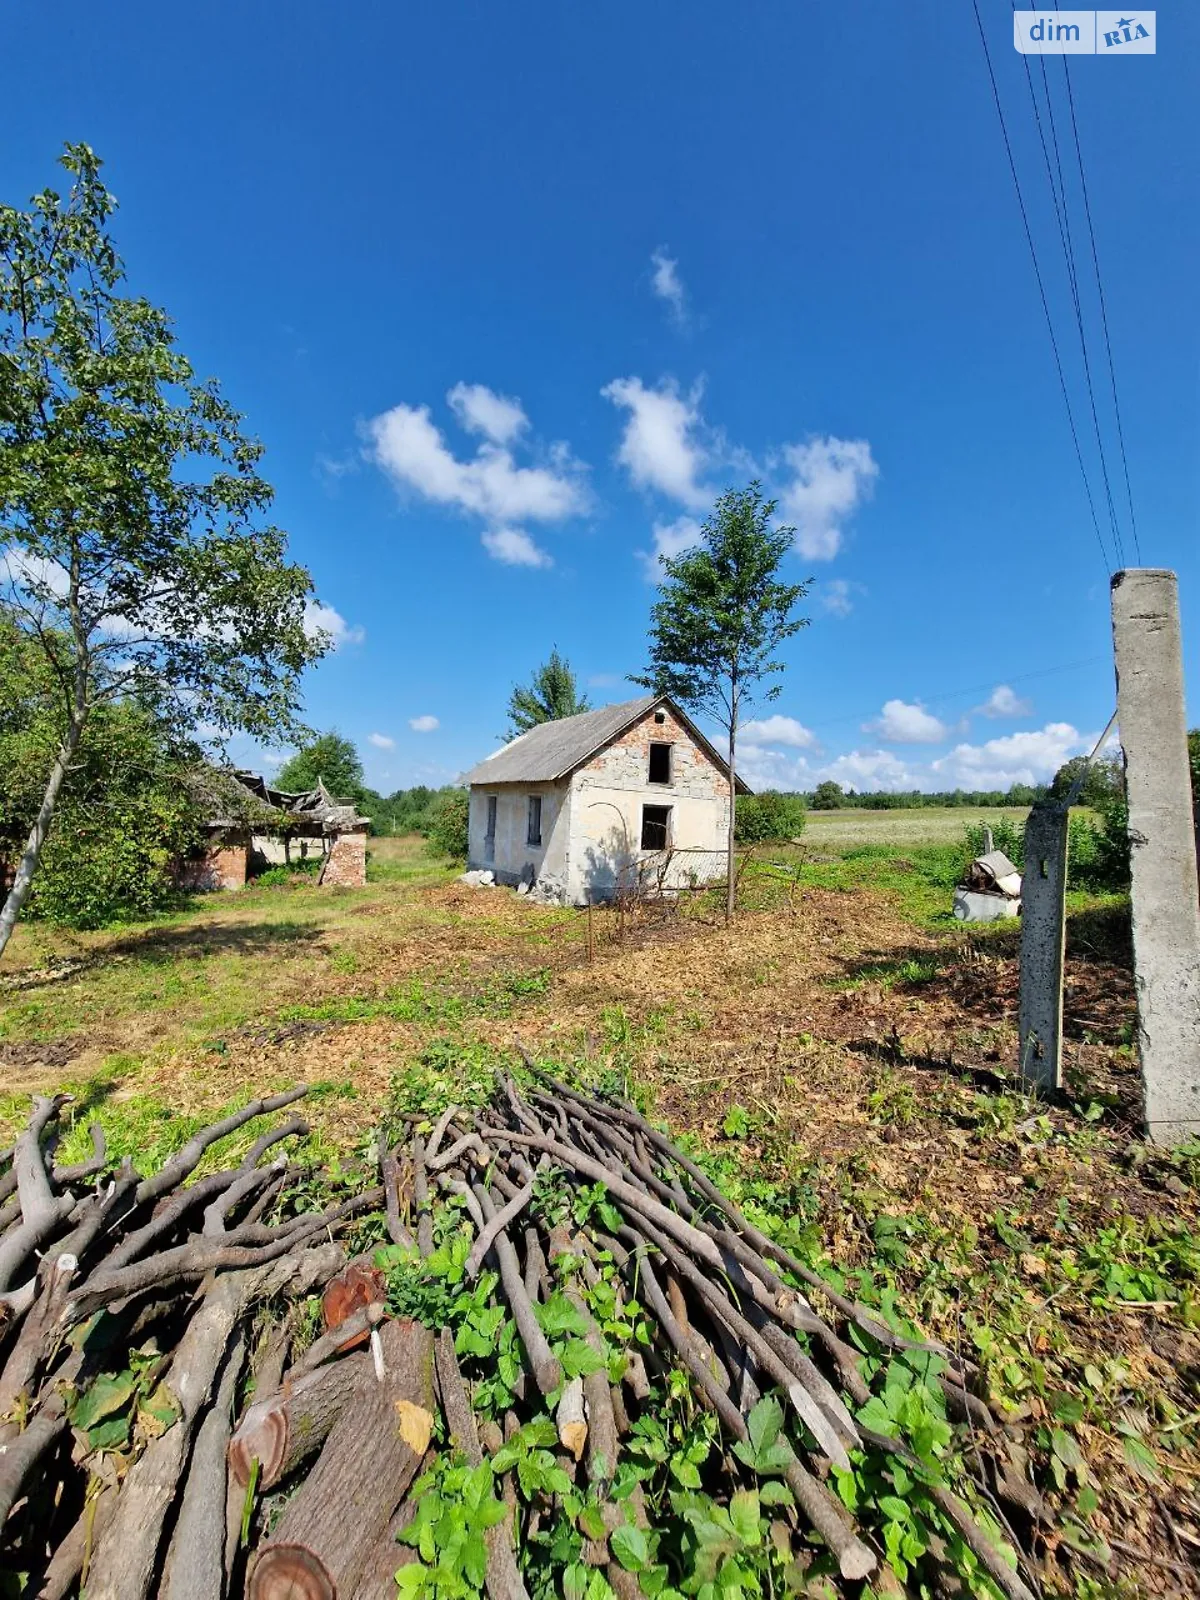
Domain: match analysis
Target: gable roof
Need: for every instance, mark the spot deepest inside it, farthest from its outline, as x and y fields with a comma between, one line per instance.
x=553, y=750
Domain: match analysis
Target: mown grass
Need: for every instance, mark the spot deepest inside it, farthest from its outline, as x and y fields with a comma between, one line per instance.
x=823, y=1056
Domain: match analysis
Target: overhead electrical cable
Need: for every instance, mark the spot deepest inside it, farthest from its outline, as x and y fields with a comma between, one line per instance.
x=1058, y=194
x=1037, y=272
x=1112, y=370
x=942, y=696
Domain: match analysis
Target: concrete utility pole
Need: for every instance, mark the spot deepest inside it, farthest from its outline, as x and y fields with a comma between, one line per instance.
x=1043, y=943
x=1166, y=900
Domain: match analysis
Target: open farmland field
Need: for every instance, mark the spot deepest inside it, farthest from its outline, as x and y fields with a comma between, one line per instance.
x=839, y=1056
x=839, y=830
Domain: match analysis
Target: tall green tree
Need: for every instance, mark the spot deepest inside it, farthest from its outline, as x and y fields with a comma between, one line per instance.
x=550, y=694
x=329, y=758
x=720, y=617
x=133, y=550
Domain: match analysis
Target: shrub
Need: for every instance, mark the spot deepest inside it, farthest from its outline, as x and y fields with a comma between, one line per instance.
x=448, y=823
x=1097, y=854
x=1007, y=835
x=769, y=815
x=113, y=861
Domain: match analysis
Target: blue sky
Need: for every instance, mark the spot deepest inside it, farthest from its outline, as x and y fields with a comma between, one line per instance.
x=510, y=292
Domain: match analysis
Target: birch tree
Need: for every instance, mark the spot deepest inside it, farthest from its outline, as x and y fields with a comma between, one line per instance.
x=720, y=617
x=134, y=551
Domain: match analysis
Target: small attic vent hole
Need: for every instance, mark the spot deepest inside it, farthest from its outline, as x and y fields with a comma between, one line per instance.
x=660, y=716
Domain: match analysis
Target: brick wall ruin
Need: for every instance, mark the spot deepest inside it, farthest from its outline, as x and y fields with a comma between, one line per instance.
x=346, y=864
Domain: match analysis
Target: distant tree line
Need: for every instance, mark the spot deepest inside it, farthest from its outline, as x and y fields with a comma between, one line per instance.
x=831, y=796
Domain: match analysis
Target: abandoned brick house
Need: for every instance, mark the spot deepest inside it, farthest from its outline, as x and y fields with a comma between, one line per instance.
x=589, y=805
x=252, y=826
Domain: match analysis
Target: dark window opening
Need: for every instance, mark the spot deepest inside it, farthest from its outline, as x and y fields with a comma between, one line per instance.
x=660, y=763
x=656, y=821
x=534, y=833
x=660, y=716
x=489, y=837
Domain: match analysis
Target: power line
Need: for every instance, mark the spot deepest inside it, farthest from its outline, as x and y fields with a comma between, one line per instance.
x=1063, y=216
x=1037, y=271
x=942, y=696
x=1112, y=371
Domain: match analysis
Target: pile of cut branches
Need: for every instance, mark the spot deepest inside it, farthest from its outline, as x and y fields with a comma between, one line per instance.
x=561, y=1363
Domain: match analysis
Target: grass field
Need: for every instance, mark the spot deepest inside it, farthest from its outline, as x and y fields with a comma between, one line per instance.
x=843, y=1052
x=836, y=830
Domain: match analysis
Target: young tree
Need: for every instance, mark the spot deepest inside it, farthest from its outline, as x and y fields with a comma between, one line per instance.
x=329, y=758
x=131, y=547
x=552, y=693
x=720, y=616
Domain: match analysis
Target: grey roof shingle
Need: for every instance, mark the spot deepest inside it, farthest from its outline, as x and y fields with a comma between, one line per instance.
x=553, y=749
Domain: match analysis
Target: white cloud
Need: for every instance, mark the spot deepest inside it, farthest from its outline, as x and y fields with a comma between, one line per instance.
x=778, y=729
x=319, y=618
x=1032, y=757
x=668, y=285
x=515, y=548
x=425, y=724
x=410, y=448
x=381, y=741
x=660, y=447
x=870, y=769
x=835, y=596
x=901, y=723
x=830, y=477
x=480, y=410
x=670, y=539
x=603, y=680
x=1003, y=702
x=36, y=575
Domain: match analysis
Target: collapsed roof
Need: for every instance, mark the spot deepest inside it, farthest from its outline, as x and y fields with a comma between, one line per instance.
x=236, y=798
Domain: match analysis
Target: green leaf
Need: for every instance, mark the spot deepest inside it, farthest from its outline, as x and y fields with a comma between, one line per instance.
x=774, y=1493
x=744, y=1514
x=1065, y=1448
x=630, y=1547
x=579, y=1359
x=1141, y=1459
x=111, y=1433
x=107, y=1393
x=764, y=1422
x=591, y=1521
x=1067, y=1408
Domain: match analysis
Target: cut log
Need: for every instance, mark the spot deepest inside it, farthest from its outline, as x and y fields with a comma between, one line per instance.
x=347, y=1335
x=41, y=1209
x=570, y=1420
x=378, y=1581
x=186, y=1159
x=195, y=1568
x=126, y=1559
x=543, y=1363
x=62, y=1573
x=336, y=1519
x=356, y=1286
x=283, y=1429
